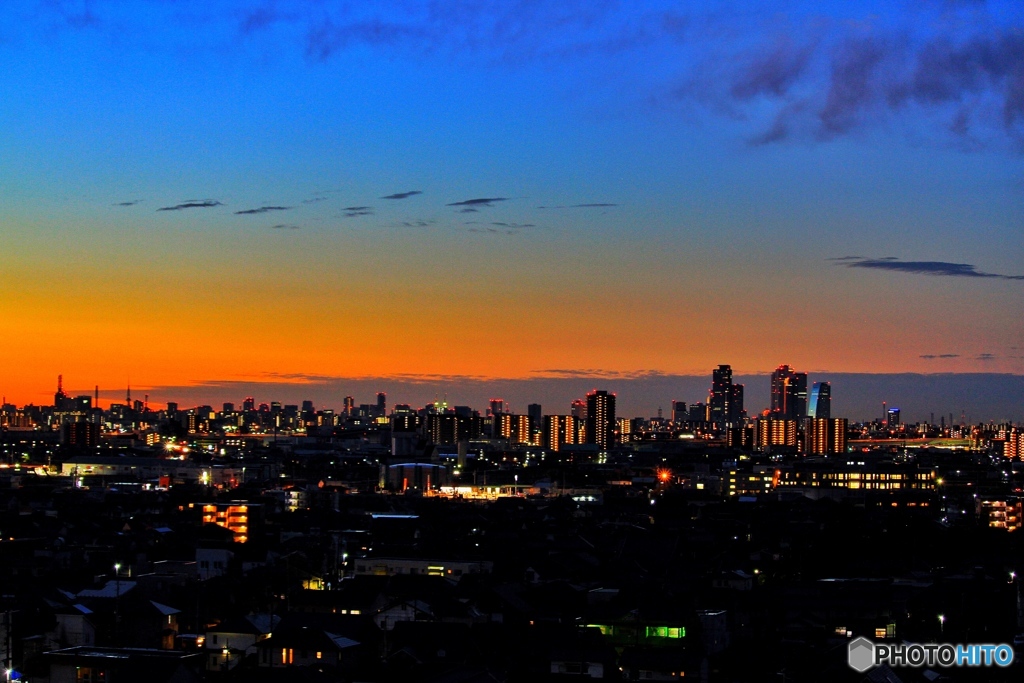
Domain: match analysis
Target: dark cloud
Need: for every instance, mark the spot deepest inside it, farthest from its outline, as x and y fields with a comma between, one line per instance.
x=845, y=258
x=131, y=203
x=936, y=268
x=985, y=356
x=314, y=200
x=579, y=206
x=933, y=356
x=514, y=226
x=354, y=213
x=262, y=209
x=469, y=210
x=402, y=195
x=414, y=224
x=358, y=208
x=192, y=204
x=284, y=226
x=480, y=201
x=773, y=72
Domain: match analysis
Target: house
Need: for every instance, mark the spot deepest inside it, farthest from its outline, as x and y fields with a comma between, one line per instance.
x=231, y=640
x=123, y=665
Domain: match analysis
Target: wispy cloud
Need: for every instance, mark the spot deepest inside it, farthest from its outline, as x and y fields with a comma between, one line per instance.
x=284, y=226
x=985, y=356
x=479, y=201
x=355, y=211
x=402, y=195
x=934, y=356
x=594, y=205
x=131, y=203
x=262, y=209
x=935, y=268
x=597, y=373
x=192, y=204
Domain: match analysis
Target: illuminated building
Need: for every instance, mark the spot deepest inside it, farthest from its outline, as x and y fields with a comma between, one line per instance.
x=742, y=437
x=789, y=393
x=721, y=392
x=679, y=413
x=1013, y=447
x=382, y=404
x=776, y=432
x=856, y=475
x=756, y=480
x=232, y=516
x=698, y=412
x=349, y=405
x=821, y=401
x=893, y=417
x=625, y=428
x=560, y=430
x=515, y=428
x=579, y=409
x=249, y=404
x=601, y=419
x=826, y=436
x=81, y=434
x=1000, y=513
x=497, y=406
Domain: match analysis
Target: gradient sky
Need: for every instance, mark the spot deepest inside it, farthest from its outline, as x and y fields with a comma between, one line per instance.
x=196, y=194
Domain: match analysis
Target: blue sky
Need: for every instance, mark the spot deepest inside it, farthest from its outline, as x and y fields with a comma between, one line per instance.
x=669, y=185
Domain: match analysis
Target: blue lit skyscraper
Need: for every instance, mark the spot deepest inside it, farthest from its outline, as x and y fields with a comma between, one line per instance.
x=821, y=401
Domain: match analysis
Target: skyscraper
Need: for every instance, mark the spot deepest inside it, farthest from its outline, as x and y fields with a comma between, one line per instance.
x=821, y=401
x=601, y=419
x=789, y=393
x=382, y=404
x=679, y=413
x=720, y=395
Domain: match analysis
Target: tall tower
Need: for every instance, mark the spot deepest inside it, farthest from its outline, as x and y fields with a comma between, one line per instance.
x=382, y=404
x=721, y=393
x=60, y=398
x=789, y=393
x=601, y=419
x=820, y=405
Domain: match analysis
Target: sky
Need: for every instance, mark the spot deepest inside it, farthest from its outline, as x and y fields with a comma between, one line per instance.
x=202, y=198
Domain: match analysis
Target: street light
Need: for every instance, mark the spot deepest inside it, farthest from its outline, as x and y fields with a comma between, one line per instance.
x=117, y=602
x=942, y=623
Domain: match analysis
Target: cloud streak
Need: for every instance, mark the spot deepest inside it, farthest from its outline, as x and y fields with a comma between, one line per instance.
x=479, y=201
x=204, y=204
x=262, y=209
x=402, y=195
x=933, y=268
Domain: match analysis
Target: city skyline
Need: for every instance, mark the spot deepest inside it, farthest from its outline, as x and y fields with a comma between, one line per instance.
x=921, y=398
x=293, y=190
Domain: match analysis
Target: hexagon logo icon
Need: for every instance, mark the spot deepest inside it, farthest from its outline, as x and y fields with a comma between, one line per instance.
x=860, y=654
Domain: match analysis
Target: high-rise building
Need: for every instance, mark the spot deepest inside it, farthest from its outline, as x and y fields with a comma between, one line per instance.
x=560, y=430
x=698, y=412
x=579, y=409
x=382, y=404
x=533, y=410
x=775, y=432
x=894, y=417
x=249, y=404
x=736, y=411
x=721, y=393
x=601, y=419
x=349, y=406
x=821, y=401
x=826, y=436
x=497, y=406
x=789, y=393
x=679, y=413
x=515, y=428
